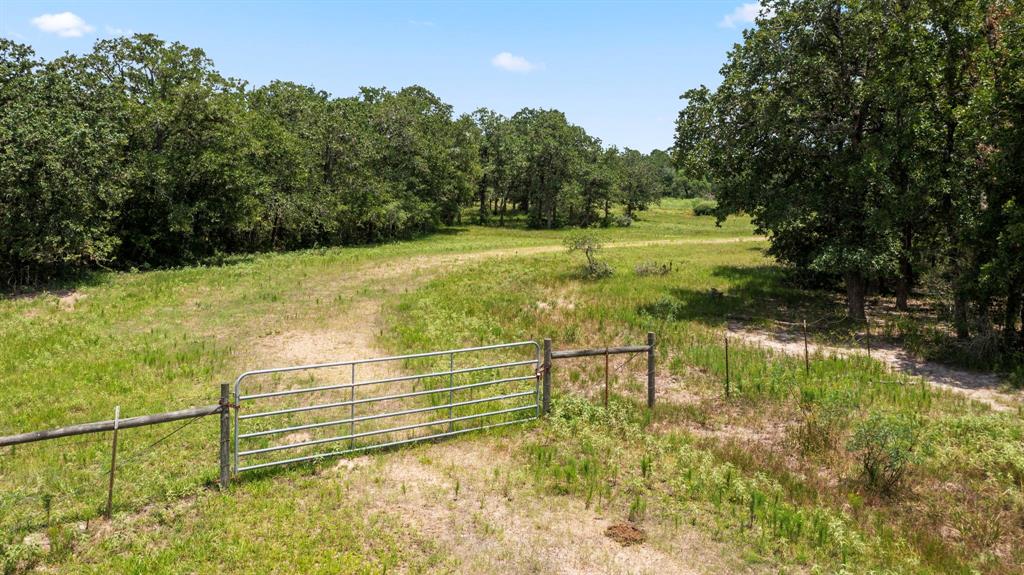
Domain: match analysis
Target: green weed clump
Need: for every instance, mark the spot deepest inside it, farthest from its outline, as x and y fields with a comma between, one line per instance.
x=17, y=558
x=652, y=269
x=886, y=445
x=825, y=420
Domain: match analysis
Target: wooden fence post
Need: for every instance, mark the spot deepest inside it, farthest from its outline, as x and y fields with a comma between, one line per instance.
x=547, y=376
x=113, y=464
x=650, y=369
x=225, y=435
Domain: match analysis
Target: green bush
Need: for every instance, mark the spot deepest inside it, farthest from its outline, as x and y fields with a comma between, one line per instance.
x=704, y=207
x=886, y=445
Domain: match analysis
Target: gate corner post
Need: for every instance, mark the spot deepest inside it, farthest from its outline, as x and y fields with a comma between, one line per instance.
x=225, y=435
x=546, y=409
x=650, y=368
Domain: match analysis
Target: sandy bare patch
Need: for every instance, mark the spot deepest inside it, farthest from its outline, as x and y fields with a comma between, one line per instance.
x=350, y=463
x=350, y=337
x=472, y=499
x=297, y=437
x=40, y=540
x=67, y=301
x=672, y=389
x=981, y=387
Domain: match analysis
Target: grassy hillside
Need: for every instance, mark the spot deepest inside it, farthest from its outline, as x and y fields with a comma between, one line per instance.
x=768, y=478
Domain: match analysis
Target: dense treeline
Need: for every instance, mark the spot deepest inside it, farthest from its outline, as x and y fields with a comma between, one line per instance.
x=879, y=141
x=141, y=154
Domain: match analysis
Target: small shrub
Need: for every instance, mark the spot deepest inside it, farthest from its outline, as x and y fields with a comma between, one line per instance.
x=623, y=221
x=704, y=207
x=17, y=558
x=1016, y=378
x=637, y=509
x=589, y=244
x=653, y=269
x=826, y=418
x=886, y=446
x=62, y=542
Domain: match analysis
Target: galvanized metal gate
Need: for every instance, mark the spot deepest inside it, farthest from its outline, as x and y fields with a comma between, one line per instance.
x=279, y=410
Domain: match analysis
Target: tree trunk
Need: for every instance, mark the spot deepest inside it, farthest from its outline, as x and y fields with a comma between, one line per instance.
x=960, y=314
x=905, y=282
x=1020, y=340
x=1013, y=306
x=856, y=290
x=483, y=205
x=501, y=217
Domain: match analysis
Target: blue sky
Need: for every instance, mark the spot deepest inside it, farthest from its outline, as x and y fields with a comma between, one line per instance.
x=617, y=69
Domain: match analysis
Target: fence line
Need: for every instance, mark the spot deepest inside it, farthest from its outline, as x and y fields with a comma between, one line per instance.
x=229, y=398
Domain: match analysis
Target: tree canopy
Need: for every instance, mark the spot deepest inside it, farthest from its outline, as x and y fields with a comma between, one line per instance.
x=140, y=153
x=878, y=142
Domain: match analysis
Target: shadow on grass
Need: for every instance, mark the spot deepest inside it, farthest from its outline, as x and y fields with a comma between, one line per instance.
x=753, y=294
x=60, y=287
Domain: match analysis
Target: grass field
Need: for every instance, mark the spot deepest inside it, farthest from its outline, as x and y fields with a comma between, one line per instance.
x=767, y=479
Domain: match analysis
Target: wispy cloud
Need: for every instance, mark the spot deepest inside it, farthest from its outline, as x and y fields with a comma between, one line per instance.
x=64, y=24
x=115, y=31
x=743, y=14
x=513, y=63
x=421, y=23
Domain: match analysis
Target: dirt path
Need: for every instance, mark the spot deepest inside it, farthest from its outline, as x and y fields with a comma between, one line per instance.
x=351, y=335
x=982, y=387
x=496, y=523
x=476, y=501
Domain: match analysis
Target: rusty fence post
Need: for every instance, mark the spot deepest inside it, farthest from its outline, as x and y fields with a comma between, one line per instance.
x=650, y=368
x=547, y=376
x=807, y=360
x=727, y=365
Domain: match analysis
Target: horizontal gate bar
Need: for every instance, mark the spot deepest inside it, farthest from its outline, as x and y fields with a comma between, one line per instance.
x=388, y=380
x=100, y=426
x=383, y=397
x=384, y=445
x=382, y=359
x=386, y=430
x=384, y=415
x=600, y=351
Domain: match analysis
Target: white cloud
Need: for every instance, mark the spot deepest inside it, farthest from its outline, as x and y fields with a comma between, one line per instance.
x=65, y=24
x=512, y=63
x=421, y=23
x=743, y=14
